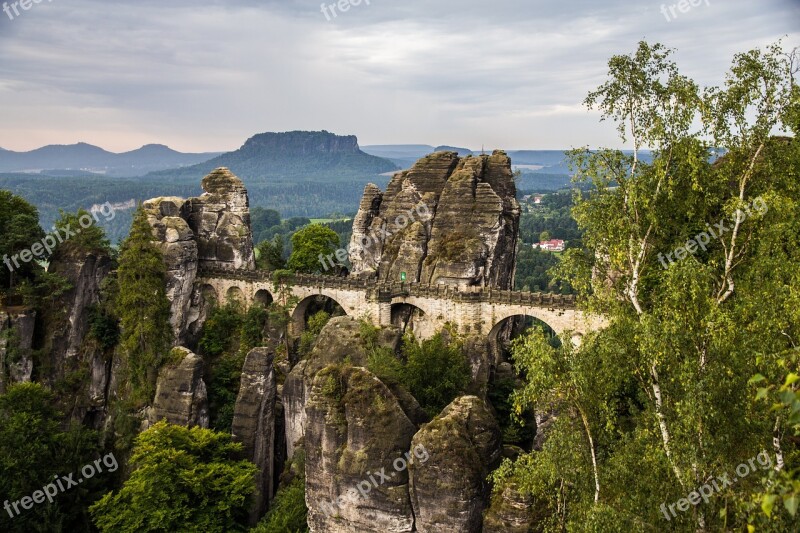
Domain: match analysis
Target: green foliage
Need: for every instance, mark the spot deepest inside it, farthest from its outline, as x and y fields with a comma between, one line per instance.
x=182, y=480
x=103, y=327
x=436, y=371
x=20, y=223
x=315, y=324
x=262, y=219
x=228, y=335
x=533, y=272
x=88, y=238
x=288, y=512
x=270, y=254
x=143, y=308
x=514, y=430
x=777, y=503
x=658, y=402
x=219, y=330
x=35, y=447
x=309, y=244
x=42, y=288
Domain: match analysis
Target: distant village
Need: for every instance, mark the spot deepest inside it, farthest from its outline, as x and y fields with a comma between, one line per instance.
x=530, y=203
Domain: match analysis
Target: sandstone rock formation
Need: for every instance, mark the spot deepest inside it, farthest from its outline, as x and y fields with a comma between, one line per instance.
x=449, y=491
x=356, y=431
x=254, y=423
x=179, y=248
x=16, y=341
x=210, y=231
x=447, y=220
x=340, y=339
x=64, y=335
x=220, y=219
x=511, y=512
x=181, y=396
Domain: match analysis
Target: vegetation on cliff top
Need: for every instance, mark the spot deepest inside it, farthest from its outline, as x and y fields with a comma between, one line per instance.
x=661, y=402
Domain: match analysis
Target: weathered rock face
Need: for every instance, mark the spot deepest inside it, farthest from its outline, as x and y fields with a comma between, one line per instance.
x=356, y=431
x=339, y=339
x=447, y=220
x=179, y=248
x=64, y=335
x=16, y=341
x=181, y=396
x=254, y=423
x=511, y=512
x=211, y=231
x=220, y=219
x=449, y=491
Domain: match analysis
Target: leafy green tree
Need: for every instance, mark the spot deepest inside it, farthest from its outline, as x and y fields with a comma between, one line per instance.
x=270, y=254
x=316, y=322
x=182, y=480
x=143, y=308
x=20, y=223
x=288, y=512
x=308, y=244
x=228, y=335
x=88, y=236
x=681, y=253
x=436, y=371
x=34, y=447
x=279, y=311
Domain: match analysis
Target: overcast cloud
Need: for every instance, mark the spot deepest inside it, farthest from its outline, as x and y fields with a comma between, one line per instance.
x=204, y=75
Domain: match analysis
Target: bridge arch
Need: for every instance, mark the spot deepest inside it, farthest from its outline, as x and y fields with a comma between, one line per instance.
x=312, y=304
x=408, y=317
x=209, y=294
x=263, y=297
x=527, y=319
x=235, y=294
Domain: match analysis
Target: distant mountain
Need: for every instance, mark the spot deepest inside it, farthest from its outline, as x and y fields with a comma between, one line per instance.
x=296, y=156
x=83, y=157
x=461, y=151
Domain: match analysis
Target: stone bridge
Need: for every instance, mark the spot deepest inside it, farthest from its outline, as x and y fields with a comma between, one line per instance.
x=474, y=310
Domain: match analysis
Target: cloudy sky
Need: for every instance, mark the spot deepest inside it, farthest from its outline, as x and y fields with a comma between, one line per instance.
x=203, y=75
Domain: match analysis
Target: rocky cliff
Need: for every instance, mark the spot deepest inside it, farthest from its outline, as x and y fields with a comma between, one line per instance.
x=209, y=231
x=447, y=220
x=181, y=396
x=254, y=423
x=16, y=341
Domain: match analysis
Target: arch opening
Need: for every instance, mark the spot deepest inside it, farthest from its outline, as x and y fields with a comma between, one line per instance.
x=504, y=379
x=510, y=328
x=209, y=294
x=263, y=297
x=312, y=305
x=235, y=294
x=408, y=317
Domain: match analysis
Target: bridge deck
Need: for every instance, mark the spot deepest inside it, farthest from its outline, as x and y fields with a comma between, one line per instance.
x=393, y=290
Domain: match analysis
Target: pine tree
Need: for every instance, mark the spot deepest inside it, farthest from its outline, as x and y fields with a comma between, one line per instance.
x=143, y=308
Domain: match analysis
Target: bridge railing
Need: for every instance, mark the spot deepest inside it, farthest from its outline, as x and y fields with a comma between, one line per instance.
x=394, y=290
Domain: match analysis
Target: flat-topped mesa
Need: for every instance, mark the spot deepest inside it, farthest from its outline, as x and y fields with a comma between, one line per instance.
x=448, y=220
